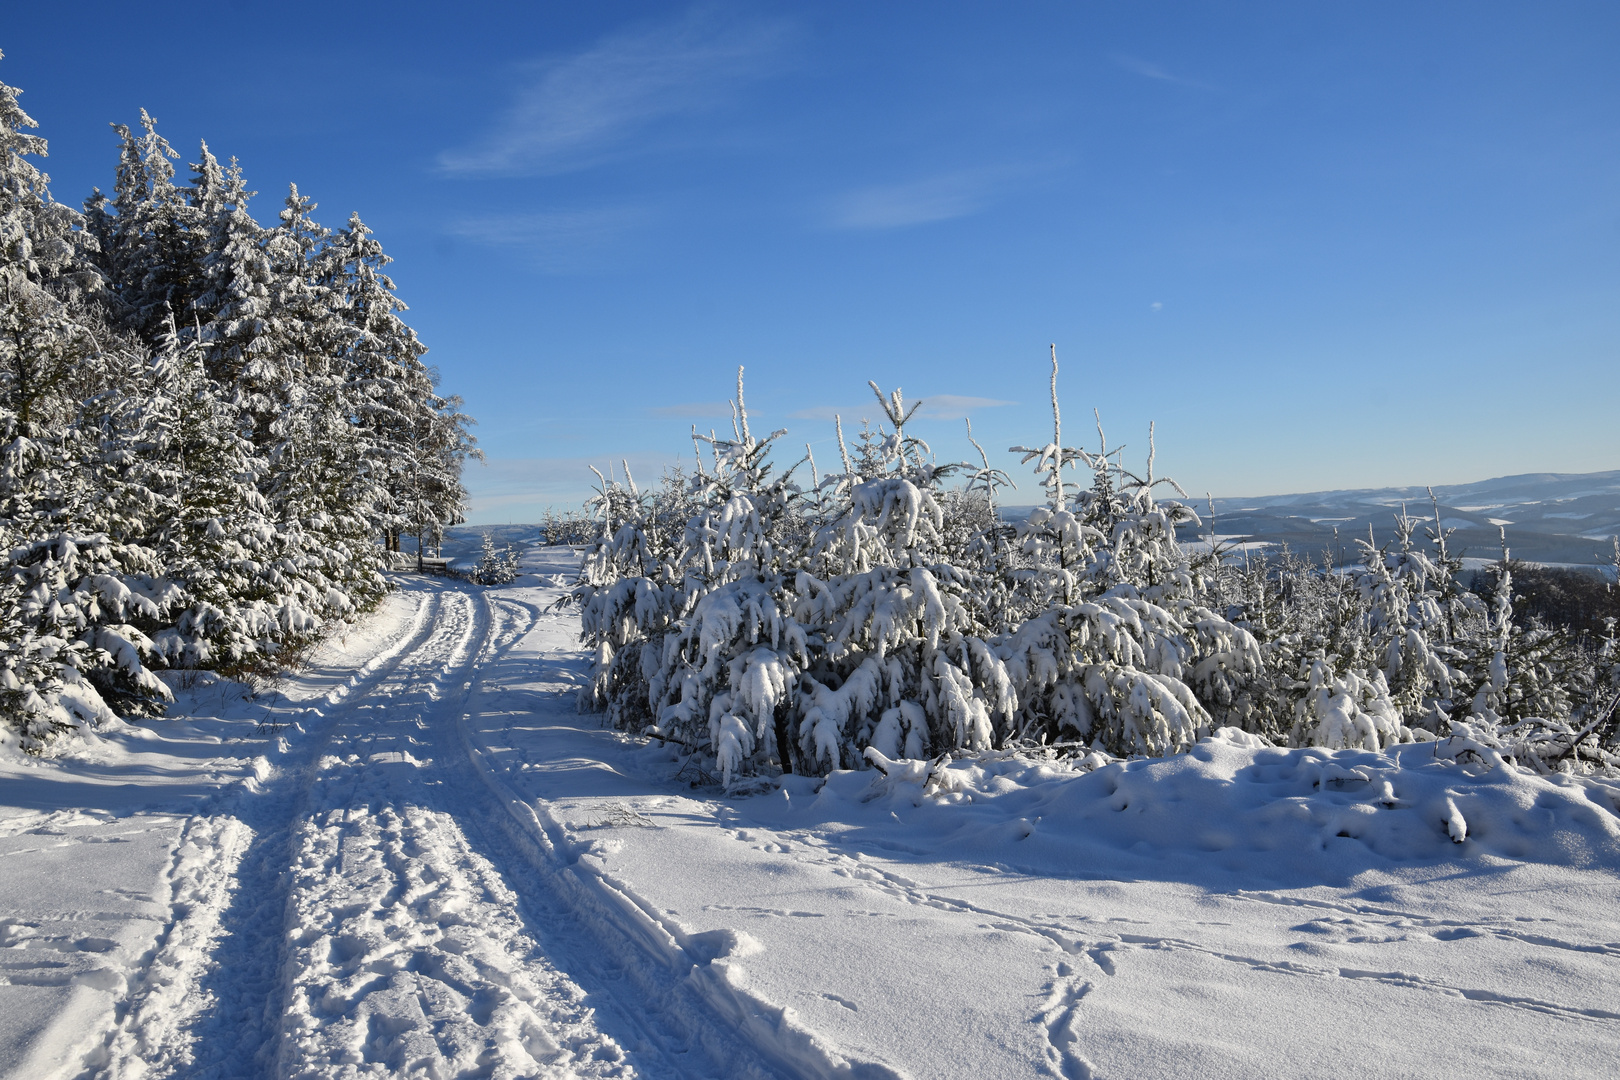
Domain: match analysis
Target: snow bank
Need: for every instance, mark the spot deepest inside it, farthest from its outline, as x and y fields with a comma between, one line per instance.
x=1237, y=810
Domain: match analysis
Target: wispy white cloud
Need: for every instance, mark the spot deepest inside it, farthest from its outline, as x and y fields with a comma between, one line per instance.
x=576, y=111
x=939, y=197
x=933, y=407
x=956, y=406
x=1150, y=70
x=694, y=410
x=915, y=202
x=558, y=241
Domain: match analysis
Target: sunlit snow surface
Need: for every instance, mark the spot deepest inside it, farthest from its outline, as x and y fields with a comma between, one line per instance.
x=438, y=868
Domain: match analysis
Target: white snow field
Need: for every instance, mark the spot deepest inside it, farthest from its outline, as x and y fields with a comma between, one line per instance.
x=414, y=858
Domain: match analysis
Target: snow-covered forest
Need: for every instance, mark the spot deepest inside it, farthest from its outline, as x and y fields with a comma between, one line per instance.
x=212, y=430
x=807, y=619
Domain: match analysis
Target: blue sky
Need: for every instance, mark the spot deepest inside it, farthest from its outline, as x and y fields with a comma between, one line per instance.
x=1321, y=245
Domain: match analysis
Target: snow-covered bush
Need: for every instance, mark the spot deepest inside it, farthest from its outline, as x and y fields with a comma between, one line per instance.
x=799, y=622
x=567, y=527
x=496, y=565
x=810, y=621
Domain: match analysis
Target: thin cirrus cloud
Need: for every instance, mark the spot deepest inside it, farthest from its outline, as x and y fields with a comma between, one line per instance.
x=917, y=202
x=577, y=111
x=940, y=197
x=1149, y=70
x=933, y=407
x=693, y=410
x=956, y=406
x=559, y=241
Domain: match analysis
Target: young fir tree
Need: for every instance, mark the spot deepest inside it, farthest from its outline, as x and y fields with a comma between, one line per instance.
x=496, y=565
x=1117, y=644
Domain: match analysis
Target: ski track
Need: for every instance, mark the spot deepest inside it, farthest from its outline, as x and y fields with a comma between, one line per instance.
x=379, y=903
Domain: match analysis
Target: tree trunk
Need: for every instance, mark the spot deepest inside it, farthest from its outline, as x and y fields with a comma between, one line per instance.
x=786, y=751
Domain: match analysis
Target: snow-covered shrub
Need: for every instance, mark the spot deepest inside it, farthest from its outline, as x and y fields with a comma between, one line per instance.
x=799, y=624
x=1116, y=648
x=569, y=527
x=496, y=565
x=813, y=621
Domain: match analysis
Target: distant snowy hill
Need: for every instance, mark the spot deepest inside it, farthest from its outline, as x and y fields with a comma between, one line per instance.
x=1550, y=517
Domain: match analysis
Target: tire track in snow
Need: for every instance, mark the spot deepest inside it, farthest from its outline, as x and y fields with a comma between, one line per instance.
x=680, y=981
x=150, y=1038
x=408, y=952
x=224, y=886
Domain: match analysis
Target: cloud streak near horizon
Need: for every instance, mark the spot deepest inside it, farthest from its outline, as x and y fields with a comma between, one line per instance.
x=932, y=407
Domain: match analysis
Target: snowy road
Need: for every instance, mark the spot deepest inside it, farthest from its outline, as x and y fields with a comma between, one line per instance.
x=415, y=859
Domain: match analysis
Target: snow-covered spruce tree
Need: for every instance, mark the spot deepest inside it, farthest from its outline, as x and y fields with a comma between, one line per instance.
x=681, y=576
x=151, y=246
x=1117, y=645
x=900, y=658
x=386, y=384
x=496, y=565
x=200, y=495
x=1406, y=592
x=630, y=589
x=66, y=601
x=807, y=629
x=231, y=310
x=435, y=448
x=413, y=441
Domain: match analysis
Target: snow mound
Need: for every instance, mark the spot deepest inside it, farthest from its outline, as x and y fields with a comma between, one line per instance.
x=1234, y=807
